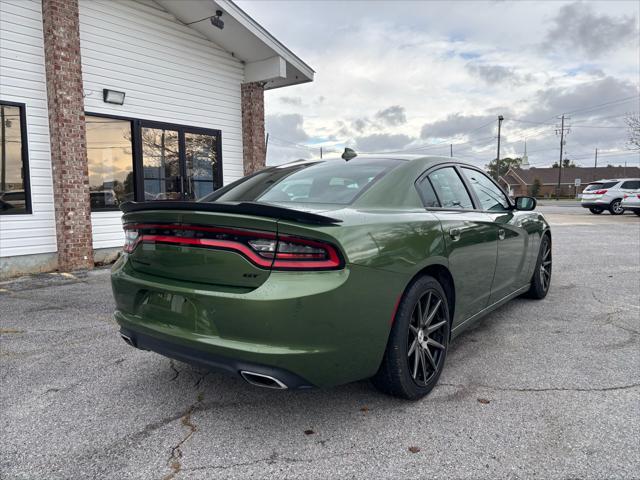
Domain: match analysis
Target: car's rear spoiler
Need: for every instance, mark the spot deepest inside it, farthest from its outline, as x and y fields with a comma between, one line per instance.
x=241, y=208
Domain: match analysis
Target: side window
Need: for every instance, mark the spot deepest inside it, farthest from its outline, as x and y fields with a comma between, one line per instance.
x=631, y=184
x=14, y=161
x=428, y=195
x=450, y=189
x=490, y=196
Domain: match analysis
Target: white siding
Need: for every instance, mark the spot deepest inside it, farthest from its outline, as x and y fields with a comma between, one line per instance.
x=23, y=80
x=169, y=72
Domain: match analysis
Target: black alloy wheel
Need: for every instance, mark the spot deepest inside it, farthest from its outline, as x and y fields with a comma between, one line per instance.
x=426, y=344
x=418, y=342
x=541, y=279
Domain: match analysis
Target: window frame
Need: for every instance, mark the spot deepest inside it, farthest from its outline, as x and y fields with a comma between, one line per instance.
x=24, y=150
x=474, y=199
x=477, y=202
x=133, y=153
x=630, y=188
x=425, y=176
x=137, y=124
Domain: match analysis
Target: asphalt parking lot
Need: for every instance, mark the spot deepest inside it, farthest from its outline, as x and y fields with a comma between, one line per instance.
x=546, y=389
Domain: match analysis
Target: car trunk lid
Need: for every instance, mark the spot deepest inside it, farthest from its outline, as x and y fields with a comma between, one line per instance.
x=218, y=244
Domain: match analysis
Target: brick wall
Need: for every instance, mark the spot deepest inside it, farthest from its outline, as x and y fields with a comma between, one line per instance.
x=253, y=127
x=67, y=130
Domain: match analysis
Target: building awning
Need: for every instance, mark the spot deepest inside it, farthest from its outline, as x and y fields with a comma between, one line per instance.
x=266, y=59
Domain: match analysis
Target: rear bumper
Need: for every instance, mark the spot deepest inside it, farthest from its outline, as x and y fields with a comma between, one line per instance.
x=323, y=328
x=210, y=361
x=595, y=204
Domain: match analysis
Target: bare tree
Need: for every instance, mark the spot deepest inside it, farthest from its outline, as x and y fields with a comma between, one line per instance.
x=633, y=124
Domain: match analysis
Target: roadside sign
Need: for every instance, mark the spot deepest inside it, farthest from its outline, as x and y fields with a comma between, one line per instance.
x=577, y=182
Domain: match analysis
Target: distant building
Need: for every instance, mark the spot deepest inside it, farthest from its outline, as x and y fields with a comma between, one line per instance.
x=519, y=181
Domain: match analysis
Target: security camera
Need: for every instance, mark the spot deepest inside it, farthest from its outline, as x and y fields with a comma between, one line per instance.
x=216, y=21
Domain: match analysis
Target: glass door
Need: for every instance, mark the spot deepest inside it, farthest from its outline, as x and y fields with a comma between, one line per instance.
x=177, y=162
x=201, y=155
x=161, y=164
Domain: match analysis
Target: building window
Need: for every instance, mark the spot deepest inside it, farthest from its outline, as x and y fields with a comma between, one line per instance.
x=202, y=172
x=14, y=160
x=110, y=157
x=161, y=164
x=132, y=159
x=179, y=162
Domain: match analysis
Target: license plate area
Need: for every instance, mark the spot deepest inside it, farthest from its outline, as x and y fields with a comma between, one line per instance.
x=169, y=309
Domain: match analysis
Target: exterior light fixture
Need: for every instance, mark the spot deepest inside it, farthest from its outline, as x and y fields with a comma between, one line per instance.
x=112, y=96
x=216, y=21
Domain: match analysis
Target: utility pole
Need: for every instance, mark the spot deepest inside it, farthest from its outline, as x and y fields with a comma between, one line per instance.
x=561, y=131
x=320, y=153
x=500, y=119
x=596, y=162
x=266, y=145
x=451, y=149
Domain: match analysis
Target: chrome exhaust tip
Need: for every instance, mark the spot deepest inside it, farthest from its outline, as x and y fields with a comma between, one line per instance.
x=128, y=340
x=264, y=381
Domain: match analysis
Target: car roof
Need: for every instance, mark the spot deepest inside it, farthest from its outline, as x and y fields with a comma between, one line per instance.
x=614, y=180
x=369, y=157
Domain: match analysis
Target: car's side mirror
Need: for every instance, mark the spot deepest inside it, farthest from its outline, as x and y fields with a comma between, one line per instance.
x=526, y=203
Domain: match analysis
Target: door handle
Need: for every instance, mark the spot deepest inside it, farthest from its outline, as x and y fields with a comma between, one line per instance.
x=501, y=234
x=454, y=233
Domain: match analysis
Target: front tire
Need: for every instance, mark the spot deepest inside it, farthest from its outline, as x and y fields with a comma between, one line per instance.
x=615, y=207
x=596, y=210
x=418, y=342
x=541, y=279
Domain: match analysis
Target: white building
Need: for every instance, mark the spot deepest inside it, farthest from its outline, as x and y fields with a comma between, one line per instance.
x=106, y=101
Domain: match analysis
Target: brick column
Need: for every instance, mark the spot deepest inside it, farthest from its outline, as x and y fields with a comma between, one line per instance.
x=67, y=132
x=253, y=127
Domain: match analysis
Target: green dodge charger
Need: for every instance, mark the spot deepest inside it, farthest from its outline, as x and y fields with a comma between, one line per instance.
x=319, y=273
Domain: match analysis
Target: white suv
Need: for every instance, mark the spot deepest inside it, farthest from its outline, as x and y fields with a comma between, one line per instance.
x=631, y=202
x=608, y=194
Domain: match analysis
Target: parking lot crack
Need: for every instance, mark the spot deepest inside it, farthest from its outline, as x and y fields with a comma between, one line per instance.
x=271, y=459
x=175, y=370
x=175, y=459
x=544, y=389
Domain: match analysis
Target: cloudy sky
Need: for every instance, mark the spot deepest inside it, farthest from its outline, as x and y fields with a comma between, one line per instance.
x=418, y=76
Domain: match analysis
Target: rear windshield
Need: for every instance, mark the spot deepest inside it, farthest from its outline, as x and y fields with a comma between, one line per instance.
x=598, y=186
x=330, y=182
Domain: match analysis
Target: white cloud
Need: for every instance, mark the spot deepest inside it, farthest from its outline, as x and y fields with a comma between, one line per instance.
x=448, y=68
x=578, y=29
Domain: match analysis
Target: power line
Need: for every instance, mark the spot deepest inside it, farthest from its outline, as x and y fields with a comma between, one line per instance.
x=447, y=142
x=529, y=121
x=599, y=126
x=597, y=107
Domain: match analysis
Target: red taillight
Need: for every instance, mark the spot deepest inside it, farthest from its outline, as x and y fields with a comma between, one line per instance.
x=295, y=253
x=600, y=192
x=638, y=195
x=264, y=249
x=131, y=239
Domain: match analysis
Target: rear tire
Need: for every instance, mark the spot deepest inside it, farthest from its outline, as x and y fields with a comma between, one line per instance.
x=541, y=279
x=615, y=207
x=596, y=210
x=418, y=342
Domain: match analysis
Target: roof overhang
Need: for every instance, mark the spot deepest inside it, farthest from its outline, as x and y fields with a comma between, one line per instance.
x=266, y=59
